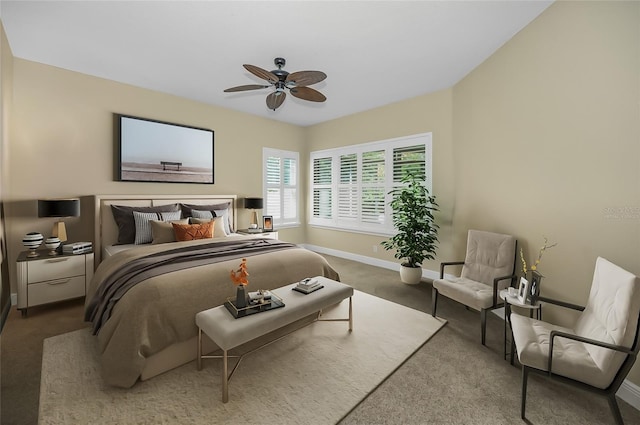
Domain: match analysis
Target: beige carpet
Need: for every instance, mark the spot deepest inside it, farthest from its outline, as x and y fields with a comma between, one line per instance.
x=314, y=376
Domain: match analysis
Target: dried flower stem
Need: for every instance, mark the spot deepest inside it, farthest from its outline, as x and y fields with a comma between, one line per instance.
x=534, y=266
x=239, y=277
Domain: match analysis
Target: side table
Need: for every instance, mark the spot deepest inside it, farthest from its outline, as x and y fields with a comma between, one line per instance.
x=514, y=301
x=50, y=278
x=269, y=234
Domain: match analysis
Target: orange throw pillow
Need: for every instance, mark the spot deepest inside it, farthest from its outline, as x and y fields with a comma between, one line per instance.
x=190, y=232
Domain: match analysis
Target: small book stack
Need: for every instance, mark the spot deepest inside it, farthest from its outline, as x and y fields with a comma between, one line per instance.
x=308, y=285
x=77, y=248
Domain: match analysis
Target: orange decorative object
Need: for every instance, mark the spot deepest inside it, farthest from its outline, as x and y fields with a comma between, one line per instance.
x=239, y=277
x=190, y=232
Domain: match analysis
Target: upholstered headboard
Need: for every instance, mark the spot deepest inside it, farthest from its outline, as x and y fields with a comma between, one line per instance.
x=106, y=230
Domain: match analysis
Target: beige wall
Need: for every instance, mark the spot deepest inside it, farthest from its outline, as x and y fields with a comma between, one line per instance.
x=423, y=114
x=547, y=143
x=6, y=82
x=62, y=145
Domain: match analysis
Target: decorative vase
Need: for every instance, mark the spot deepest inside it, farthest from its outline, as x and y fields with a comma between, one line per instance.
x=241, y=297
x=52, y=245
x=410, y=275
x=32, y=241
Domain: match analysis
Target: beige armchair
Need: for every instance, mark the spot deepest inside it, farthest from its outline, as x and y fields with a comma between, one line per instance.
x=598, y=352
x=488, y=267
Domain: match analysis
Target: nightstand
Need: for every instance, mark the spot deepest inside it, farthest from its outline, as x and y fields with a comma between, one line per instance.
x=270, y=235
x=510, y=301
x=48, y=278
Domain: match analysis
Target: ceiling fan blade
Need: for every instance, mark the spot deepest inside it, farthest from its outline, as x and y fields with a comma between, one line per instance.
x=307, y=93
x=305, y=78
x=244, y=88
x=275, y=99
x=259, y=72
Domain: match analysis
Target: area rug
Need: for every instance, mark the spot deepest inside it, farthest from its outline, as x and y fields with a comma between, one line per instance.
x=316, y=375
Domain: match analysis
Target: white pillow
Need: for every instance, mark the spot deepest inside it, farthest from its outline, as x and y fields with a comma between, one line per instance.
x=206, y=214
x=227, y=222
x=218, y=226
x=142, y=220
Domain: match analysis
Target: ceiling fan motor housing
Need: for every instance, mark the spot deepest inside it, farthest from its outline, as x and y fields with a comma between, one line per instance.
x=280, y=73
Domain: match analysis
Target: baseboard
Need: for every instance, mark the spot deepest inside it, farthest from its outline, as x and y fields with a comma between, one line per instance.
x=628, y=391
x=391, y=265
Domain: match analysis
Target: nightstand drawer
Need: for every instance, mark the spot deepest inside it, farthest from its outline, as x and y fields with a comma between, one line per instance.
x=55, y=268
x=55, y=290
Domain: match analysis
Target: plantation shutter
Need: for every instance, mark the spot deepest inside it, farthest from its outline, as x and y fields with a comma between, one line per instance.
x=348, y=187
x=408, y=159
x=351, y=186
x=373, y=187
x=281, y=186
x=273, y=188
x=290, y=189
x=322, y=202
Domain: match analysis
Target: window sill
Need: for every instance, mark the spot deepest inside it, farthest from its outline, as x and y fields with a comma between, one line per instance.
x=350, y=230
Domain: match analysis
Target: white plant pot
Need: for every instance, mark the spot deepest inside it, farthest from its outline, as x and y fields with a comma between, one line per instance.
x=410, y=275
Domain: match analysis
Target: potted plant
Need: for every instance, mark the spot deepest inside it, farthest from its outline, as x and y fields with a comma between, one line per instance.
x=417, y=232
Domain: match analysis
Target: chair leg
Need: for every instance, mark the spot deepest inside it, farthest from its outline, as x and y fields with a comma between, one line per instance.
x=525, y=376
x=613, y=404
x=434, y=301
x=483, y=320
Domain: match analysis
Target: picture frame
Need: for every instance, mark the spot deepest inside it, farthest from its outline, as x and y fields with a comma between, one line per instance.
x=534, y=288
x=267, y=223
x=523, y=290
x=157, y=151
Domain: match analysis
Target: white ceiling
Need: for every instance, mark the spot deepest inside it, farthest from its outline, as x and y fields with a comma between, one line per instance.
x=374, y=52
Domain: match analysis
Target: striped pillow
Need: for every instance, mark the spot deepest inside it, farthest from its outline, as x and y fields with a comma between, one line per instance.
x=142, y=220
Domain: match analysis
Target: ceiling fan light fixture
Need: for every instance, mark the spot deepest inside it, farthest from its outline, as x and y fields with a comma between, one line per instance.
x=280, y=79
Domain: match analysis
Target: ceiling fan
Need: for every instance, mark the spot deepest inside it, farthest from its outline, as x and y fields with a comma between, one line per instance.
x=297, y=83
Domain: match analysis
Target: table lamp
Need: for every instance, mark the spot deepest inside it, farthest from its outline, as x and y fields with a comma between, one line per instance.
x=253, y=204
x=59, y=208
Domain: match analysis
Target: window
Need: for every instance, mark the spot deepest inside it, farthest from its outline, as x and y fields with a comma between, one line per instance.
x=350, y=185
x=281, y=186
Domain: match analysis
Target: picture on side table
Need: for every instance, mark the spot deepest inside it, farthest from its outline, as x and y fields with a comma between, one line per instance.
x=523, y=290
x=267, y=223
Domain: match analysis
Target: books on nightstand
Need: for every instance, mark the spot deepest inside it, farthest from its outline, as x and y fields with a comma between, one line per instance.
x=77, y=248
x=308, y=285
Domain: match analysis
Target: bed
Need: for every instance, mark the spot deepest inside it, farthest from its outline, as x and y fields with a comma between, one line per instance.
x=149, y=328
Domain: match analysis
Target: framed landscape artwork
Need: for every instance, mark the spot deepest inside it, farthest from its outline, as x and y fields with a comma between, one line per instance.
x=156, y=151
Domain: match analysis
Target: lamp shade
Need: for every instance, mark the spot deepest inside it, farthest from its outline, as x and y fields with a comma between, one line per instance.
x=253, y=203
x=58, y=207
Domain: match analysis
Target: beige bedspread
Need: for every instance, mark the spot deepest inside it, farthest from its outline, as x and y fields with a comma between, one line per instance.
x=160, y=311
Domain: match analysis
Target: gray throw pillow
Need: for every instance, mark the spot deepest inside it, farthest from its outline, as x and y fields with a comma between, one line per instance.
x=186, y=208
x=123, y=215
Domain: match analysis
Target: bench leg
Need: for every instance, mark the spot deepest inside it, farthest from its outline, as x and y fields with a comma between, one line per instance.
x=199, y=358
x=225, y=376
